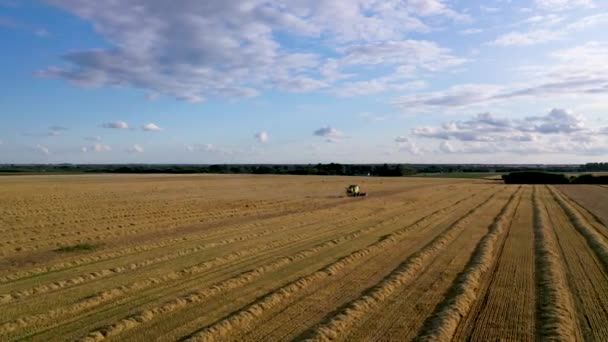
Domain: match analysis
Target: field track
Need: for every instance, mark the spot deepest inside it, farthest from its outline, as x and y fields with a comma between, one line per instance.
x=265, y=258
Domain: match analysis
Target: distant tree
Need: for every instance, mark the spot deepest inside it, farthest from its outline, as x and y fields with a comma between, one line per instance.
x=590, y=179
x=262, y=170
x=535, y=177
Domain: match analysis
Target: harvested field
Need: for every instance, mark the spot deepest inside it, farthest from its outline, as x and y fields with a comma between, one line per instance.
x=267, y=258
x=594, y=198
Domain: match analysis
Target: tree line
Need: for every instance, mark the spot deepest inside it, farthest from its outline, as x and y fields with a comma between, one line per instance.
x=536, y=177
x=384, y=170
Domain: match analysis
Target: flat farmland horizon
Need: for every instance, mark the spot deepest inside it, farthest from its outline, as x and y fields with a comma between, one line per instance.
x=292, y=258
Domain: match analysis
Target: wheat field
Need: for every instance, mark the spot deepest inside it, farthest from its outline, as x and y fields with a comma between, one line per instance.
x=290, y=258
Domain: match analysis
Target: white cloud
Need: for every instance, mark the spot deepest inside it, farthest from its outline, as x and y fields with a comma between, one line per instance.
x=42, y=149
x=543, y=29
x=559, y=131
x=362, y=88
x=557, y=121
x=446, y=147
x=409, y=57
x=562, y=5
x=136, y=149
x=209, y=148
x=416, y=53
x=547, y=20
x=407, y=145
x=115, y=125
x=561, y=147
x=94, y=138
x=151, y=127
x=330, y=134
x=374, y=117
x=472, y=31
x=160, y=48
x=527, y=38
x=578, y=71
x=589, y=55
x=15, y=24
x=96, y=148
x=55, y=131
x=486, y=127
x=434, y=7
x=488, y=9
x=376, y=86
x=261, y=137
x=456, y=96
x=101, y=148
x=589, y=21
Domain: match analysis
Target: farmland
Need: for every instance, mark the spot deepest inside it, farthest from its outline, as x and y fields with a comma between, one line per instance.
x=263, y=258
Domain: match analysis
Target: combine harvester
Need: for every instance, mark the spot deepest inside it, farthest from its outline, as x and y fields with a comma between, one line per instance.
x=354, y=191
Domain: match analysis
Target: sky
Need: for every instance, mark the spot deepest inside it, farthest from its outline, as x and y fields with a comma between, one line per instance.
x=304, y=81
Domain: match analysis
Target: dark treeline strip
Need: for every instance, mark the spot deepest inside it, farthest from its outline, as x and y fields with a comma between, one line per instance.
x=536, y=177
x=590, y=179
x=295, y=169
x=385, y=170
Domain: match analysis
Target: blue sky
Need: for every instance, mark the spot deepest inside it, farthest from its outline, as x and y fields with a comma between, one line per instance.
x=300, y=81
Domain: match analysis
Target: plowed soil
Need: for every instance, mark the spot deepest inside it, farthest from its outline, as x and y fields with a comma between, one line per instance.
x=282, y=258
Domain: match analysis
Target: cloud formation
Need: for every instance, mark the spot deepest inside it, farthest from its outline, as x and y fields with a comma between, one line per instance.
x=446, y=147
x=406, y=144
x=115, y=125
x=486, y=127
x=261, y=137
x=527, y=38
x=57, y=130
x=557, y=121
x=15, y=24
x=559, y=131
x=579, y=70
x=330, y=134
x=542, y=29
x=96, y=148
x=159, y=47
x=42, y=149
x=151, y=127
x=136, y=149
x=211, y=149
x=562, y=5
